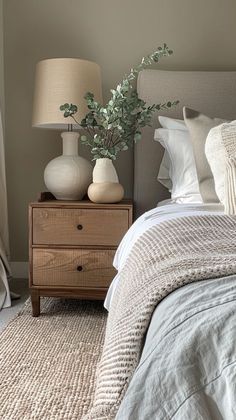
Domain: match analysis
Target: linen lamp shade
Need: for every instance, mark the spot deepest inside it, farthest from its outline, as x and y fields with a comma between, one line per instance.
x=59, y=81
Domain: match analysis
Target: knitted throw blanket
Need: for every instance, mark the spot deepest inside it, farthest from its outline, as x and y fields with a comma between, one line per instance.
x=164, y=258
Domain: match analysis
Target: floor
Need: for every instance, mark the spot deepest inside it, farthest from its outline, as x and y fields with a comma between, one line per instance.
x=19, y=286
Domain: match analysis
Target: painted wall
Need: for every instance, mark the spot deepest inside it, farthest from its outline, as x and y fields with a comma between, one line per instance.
x=114, y=33
x=2, y=105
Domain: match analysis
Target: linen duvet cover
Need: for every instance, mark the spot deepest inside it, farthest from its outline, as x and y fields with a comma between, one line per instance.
x=163, y=251
x=188, y=365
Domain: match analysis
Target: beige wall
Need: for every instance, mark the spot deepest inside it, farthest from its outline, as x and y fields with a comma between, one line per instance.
x=114, y=33
x=1, y=61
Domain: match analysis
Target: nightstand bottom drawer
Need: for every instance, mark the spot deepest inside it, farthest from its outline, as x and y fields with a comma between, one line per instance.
x=73, y=267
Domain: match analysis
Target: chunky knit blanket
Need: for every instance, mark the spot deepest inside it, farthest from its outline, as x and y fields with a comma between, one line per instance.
x=166, y=257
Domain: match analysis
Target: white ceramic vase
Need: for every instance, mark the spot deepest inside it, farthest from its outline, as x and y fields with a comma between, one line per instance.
x=105, y=187
x=68, y=176
x=104, y=171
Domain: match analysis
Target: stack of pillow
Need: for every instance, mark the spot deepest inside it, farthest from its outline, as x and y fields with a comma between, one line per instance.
x=199, y=163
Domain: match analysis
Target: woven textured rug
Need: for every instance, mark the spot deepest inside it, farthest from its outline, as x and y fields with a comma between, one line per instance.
x=48, y=364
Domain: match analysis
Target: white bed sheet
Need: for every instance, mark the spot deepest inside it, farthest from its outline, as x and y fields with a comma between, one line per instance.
x=153, y=217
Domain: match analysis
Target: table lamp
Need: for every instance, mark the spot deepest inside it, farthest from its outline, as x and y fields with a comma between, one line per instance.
x=59, y=81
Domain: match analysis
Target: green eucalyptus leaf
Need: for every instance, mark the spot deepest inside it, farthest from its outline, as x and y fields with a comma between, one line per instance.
x=137, y=136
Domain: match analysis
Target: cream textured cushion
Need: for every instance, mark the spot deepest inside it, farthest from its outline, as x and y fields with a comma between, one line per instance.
x=216, y=156
x=199, y=126
x=220, y=151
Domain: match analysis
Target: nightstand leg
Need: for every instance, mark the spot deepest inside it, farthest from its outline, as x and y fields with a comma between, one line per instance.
x=35, y=301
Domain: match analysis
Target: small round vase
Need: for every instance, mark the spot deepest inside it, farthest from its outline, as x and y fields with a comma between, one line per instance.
x=105, y=192
x=105, y=187
x=68, y=176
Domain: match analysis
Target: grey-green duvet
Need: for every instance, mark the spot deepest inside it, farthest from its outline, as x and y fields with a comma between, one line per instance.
x=188, y=364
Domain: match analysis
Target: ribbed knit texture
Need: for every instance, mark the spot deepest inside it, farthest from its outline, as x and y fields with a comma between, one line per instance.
x=229, y=141
x=165, y=258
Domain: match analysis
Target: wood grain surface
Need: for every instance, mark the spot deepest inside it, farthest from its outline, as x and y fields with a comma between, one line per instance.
x=60, y=226
x=73, y=267
x=72, y=246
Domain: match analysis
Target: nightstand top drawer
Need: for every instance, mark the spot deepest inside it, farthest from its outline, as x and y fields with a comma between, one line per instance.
x=79, y=226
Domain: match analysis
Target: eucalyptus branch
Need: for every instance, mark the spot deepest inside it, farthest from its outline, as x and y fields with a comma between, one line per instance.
x=117, y=140
x=115, y=126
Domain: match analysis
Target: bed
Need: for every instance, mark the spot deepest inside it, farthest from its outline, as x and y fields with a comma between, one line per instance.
x=170, y=349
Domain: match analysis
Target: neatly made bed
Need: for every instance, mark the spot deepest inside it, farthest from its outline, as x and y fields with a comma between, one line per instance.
x=170, y=350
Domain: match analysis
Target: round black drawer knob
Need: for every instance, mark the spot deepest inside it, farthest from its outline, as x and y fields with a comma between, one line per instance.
x=79, y=268
x=79, y=227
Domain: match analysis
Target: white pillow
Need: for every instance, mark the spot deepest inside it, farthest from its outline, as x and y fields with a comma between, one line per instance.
x=172, y=124
x=165, y=171
x=185, y=188
x=164, y=174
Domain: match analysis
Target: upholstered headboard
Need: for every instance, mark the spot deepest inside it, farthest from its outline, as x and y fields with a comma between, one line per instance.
x=213, y=93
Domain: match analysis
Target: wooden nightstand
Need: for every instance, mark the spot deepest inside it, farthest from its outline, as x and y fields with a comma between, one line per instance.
x=71, y=247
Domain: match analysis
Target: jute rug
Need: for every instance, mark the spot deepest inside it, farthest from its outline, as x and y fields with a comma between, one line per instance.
x=48, y=364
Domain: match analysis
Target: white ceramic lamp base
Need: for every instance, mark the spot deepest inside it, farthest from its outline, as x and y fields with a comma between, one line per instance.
x=68, y=176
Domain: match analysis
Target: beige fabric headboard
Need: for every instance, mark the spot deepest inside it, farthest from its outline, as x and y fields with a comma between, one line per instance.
x=213, y=93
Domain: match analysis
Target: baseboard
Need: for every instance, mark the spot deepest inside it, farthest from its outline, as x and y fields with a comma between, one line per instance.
x=19, y=269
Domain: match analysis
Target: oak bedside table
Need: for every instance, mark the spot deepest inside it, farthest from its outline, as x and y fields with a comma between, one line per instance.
x=71, y=247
